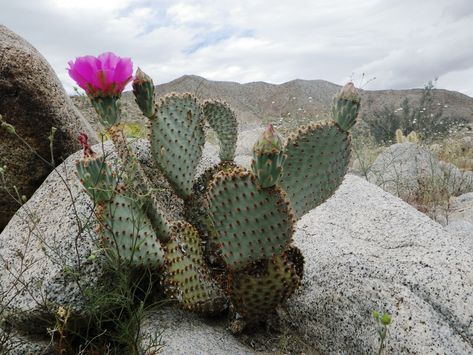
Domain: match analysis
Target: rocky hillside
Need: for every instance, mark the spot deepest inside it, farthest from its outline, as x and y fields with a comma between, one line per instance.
x=290, y=104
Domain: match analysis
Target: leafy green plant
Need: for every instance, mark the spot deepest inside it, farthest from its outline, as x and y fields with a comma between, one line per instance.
x=383, y=322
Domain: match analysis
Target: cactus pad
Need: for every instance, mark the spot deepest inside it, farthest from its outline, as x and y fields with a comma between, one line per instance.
x=250, y=223
x=196, y=209
x=256, y=292
x=187, y=277
x=316, y=163
x=223, y=121
x=177, y=138
x=97, y=177
x=128, y=234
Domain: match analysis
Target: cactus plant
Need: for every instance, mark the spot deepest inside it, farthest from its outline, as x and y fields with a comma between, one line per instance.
x=235, y=248
x=411, y=137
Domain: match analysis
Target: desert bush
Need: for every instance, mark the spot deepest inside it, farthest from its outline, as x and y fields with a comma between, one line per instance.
x=427, y=118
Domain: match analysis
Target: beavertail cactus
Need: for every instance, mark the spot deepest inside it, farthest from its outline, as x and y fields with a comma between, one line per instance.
x=235, y=249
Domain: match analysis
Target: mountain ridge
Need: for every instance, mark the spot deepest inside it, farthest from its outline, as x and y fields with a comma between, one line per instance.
x=295, y=102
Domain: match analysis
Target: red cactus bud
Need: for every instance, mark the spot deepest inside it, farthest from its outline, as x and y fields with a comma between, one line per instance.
x=84, y=142
x=269, y=142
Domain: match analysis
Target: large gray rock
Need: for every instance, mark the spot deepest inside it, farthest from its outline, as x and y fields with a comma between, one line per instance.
x=404, y=169
x=246, y=140
x=12, y=343
x=367, y=250
x=33, y=100
x=401, y=166
x=185, y=333
x=461, y=208
x=460, y=218
x=45, y=249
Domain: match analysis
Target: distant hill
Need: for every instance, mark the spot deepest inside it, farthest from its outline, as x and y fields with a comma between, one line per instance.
x=288, y=104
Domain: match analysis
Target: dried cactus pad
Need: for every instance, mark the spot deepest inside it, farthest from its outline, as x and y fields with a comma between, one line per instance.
x=316, y=163
x=128, y=233
x=250, y=223
x=177, y=138
x=223, y=121
x=257, y=292
x=187, y=277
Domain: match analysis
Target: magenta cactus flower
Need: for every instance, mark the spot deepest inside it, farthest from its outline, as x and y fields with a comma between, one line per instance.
x=102, y=76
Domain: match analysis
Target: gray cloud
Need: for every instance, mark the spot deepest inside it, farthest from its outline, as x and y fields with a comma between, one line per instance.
x=403, y=43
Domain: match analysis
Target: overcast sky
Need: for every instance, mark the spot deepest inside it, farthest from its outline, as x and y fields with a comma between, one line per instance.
x=403, y=43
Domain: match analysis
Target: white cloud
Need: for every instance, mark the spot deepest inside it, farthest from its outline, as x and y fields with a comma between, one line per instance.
x=403, y=43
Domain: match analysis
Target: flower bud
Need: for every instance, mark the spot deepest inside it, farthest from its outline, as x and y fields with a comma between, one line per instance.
x=346, y=106
x=268, y=157
x=84, y=142
x=143, y=88
x=349, y=92
x=269, y=142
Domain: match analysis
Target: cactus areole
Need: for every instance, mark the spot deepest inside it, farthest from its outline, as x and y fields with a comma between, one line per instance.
x=235, y=249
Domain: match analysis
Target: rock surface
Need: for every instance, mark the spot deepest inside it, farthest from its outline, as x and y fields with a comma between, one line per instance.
x=246, y=140
x=33, y=100
x=367, y=250
x=461, y=208
x=14, y=344
x=404, y=168
x=185, y=333
x=460, y=218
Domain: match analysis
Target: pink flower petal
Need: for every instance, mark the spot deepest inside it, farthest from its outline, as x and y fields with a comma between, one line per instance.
x=106, y=74
x=108, y=60
x=124, y=70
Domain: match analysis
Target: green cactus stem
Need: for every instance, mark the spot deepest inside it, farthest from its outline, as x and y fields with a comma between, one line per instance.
x=223, y=121
x=187, y=277
x=256, y=292
x=97, y=178
x=250, y=223
x=128, y=234
x=177, y=138
x=316, y=163
x=140, y=183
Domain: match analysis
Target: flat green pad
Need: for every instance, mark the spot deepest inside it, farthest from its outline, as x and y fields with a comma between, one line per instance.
x=196, y=207
x=97, y=177
x=316, y=163
x=128, y=234
x=177, y=138
x=257, y=292
x=250, y=223
x=187, y=278
x=223, y=121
